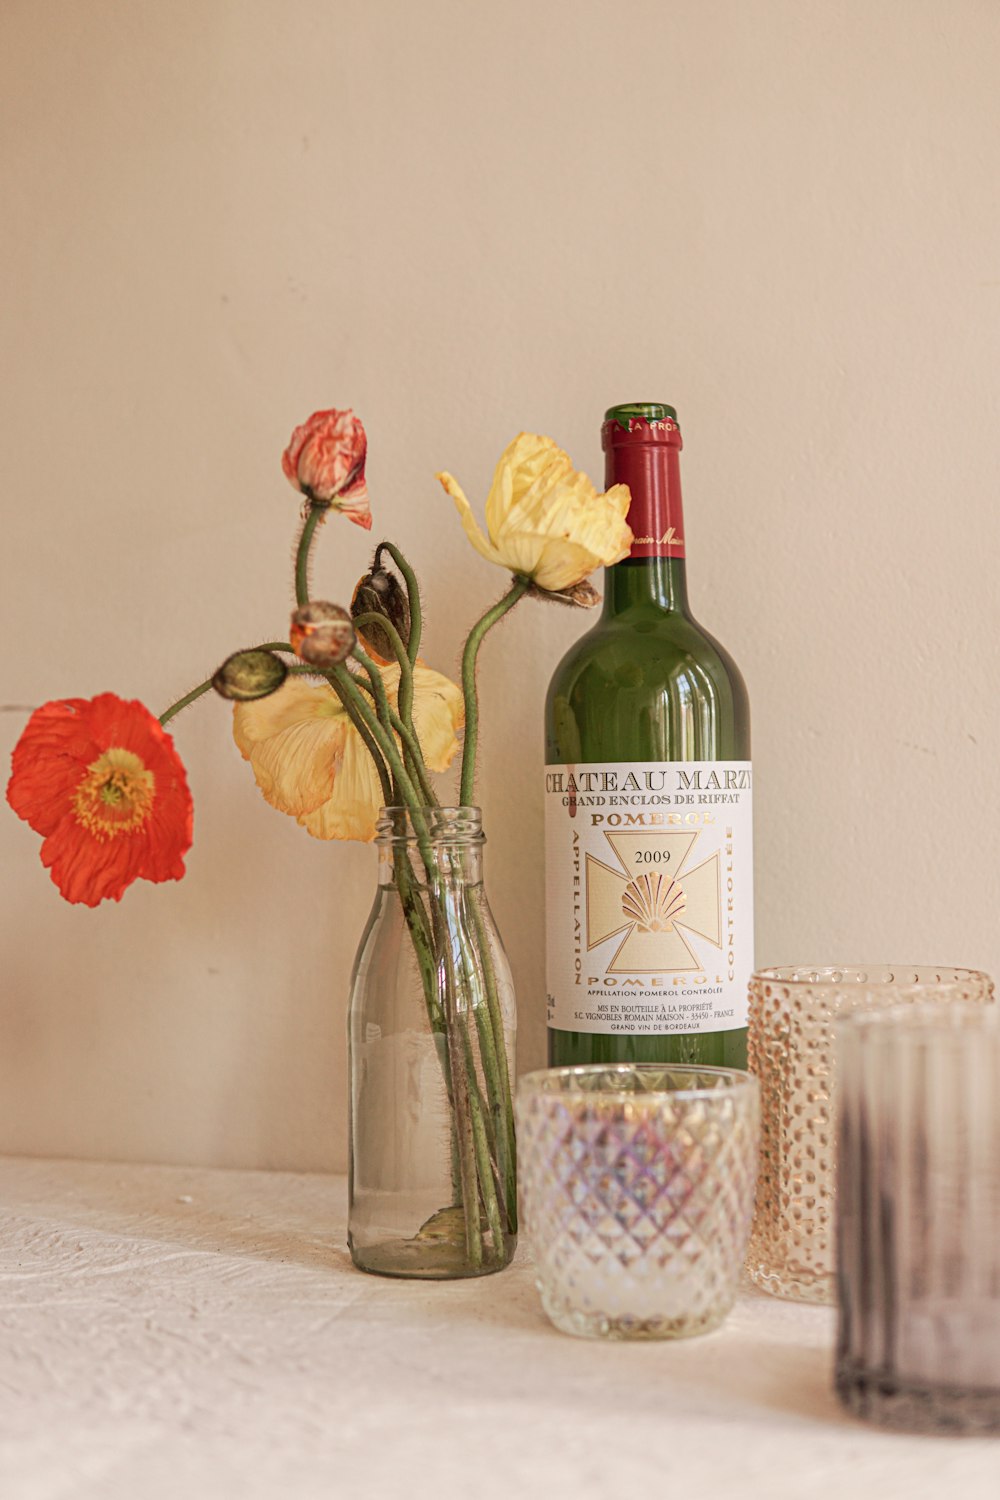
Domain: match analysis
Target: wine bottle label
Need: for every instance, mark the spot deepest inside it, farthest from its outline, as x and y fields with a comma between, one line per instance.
x=649, y=896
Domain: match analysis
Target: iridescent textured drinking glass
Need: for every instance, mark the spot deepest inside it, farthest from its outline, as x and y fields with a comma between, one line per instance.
x=918, y=1217
x=790, y=1047
x=636, y=1186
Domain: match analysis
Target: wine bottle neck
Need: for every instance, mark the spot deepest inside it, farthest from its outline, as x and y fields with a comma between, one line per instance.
x=642, y=445
x=642, y=583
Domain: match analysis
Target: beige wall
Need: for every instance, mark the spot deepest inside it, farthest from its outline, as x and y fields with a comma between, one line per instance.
x=465, y=219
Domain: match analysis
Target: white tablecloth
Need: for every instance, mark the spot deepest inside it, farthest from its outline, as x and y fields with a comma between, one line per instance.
x=173, y=1332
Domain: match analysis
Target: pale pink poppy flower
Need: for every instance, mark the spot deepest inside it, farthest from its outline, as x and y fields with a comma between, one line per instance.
x=325, y=460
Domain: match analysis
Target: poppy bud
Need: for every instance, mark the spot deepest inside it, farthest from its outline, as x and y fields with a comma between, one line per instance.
x=322, y=634
x=381, y=593
x=249, y=674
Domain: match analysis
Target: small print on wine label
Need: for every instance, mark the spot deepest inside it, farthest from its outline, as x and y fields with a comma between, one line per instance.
x=649, y=896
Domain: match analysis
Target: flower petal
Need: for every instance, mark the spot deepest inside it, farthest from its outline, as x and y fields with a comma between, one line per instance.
x=101, y=780
x=584, y=517
x=294, y=741
x=469, y=522
x=438, y=715
x=310, y=762
x=501, y=495
x=535, y=465
x=619, y=497
x=354, y=504
x=560, y=564
x=326, y=455
x=546, y=521
x=351, y=811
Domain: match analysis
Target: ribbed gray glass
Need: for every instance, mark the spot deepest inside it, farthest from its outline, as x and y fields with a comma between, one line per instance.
x=918, y=1218
x=636, y=1185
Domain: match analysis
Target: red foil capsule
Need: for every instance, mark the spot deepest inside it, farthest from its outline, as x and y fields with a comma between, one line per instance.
x=642, y=445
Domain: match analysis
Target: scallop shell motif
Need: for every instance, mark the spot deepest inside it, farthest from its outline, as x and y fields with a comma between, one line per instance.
x=653, y=902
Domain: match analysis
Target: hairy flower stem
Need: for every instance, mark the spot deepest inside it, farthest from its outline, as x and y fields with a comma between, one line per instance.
x=477, y=634
x=312, y=520
x=403, y=723
x=384, y=738
x=419, y=771
x=476, y=1166
x=405, y=665
x=314, y=516
x=413, y=594
x=413, y=755
x=203, y=687
x=410, y=651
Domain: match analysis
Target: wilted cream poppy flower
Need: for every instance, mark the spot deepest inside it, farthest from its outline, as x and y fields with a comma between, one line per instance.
x=310, y=762
x=545, y=520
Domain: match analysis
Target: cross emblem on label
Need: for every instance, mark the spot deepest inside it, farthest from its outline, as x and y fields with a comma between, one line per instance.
x=653, y=901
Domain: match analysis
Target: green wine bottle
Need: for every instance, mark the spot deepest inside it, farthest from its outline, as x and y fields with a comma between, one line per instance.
x=648, y=836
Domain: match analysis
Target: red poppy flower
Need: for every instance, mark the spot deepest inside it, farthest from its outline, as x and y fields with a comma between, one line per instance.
x=325, y=461
x=100, y=779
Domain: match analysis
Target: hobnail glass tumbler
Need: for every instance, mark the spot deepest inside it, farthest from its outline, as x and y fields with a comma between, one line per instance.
x=790, y=1048
x=636, y=1189
x=918, y=1218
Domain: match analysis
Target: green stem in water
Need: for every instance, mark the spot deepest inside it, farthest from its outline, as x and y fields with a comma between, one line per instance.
x=455, y=896
x=203, y=687
x=421, y=937
x=461, y=1084
x=492, y=1121
x=312, y=520
x=420, y=931
x=464, y=1126
x=494, y=1046
x=476, y=1120
x=478, y=1182
x=413, y=594
x=475, y=1170
x=484, y=1163
x=469, y=655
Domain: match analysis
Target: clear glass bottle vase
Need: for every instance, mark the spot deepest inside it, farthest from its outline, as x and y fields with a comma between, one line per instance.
x=431, y=1037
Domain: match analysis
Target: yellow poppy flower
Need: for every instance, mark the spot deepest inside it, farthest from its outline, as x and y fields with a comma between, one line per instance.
x=310, y=762
x=545, y=520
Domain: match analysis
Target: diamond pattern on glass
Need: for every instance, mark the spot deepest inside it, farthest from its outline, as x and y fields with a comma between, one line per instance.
x=637, y=1188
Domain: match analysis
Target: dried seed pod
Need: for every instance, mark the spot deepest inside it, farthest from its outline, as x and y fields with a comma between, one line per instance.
x=249, y=674
x=322, y=634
